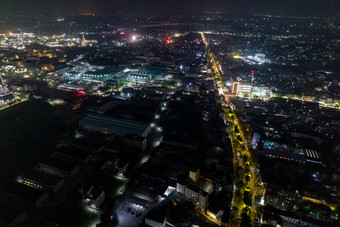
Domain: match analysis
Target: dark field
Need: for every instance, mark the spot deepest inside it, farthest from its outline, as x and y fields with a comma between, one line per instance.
x=28, y=131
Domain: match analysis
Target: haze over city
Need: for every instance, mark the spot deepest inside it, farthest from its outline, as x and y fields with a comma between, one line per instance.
x=155, y=8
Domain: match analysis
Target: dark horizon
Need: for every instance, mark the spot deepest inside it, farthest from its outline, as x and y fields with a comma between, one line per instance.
x=301, y=8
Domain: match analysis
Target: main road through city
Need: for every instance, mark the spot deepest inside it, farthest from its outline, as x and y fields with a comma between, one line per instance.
x=248, y=194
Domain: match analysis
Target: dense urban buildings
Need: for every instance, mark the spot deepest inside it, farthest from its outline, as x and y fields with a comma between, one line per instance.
x=184, y=119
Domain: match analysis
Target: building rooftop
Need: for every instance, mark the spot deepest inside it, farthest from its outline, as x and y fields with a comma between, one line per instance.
x=40, y=177
x=103, y=72
x=59, y=164
x=21, y=191
x=197, y=189
x=140, y=111
x=116, y=125
x=87, y=144
x=75, y=152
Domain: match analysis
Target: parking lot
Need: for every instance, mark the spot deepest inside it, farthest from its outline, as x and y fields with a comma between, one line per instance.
x=128, y=214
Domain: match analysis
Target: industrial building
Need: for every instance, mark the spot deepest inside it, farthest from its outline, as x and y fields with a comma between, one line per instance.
x=137, y=142
x=41, y=180
x=27, y=195
x=244, y=88
x=247, y=88
x=261, y=91
x=139, y=78
x=97, y=76
x=274, y=150
x=155, y=221
x=95, y=195
x=112, y=125
x=59, y=167
x=73, y=154
x=113, y=83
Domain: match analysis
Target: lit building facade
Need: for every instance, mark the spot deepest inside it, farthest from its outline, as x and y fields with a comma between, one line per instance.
x=244, y=88
x=194, y=194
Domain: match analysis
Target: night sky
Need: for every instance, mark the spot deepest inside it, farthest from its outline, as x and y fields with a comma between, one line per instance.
x=157, y=7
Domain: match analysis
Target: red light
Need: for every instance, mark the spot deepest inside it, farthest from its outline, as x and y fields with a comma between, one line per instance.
x=122, y=33
x=252, y=71
x=81, y=92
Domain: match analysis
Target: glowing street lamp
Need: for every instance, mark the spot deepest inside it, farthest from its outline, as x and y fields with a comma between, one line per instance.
x=134, y=38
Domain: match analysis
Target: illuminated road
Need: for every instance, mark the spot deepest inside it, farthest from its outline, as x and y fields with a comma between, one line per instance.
x=247, y=180
x=203, y=214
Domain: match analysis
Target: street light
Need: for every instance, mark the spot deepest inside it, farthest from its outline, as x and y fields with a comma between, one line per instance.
x=134, y=38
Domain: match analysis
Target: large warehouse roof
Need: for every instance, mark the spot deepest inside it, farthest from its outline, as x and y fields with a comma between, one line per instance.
x=114, y=125
x=40, y=177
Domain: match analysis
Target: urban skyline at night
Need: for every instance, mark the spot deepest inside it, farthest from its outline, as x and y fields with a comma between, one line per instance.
x=169, y=113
